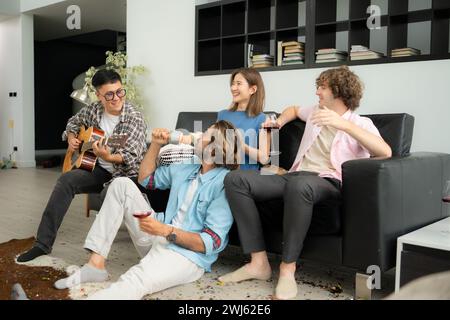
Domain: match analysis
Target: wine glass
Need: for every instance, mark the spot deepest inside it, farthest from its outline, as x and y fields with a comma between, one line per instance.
x=269, y=125
x=146, y=239
x=446, y=192
x=446, y=199
x=271, y=122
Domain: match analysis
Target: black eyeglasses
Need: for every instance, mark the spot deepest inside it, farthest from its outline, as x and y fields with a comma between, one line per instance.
x=110, y=94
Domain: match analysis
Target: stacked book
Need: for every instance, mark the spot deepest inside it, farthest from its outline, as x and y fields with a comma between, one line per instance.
x=330, y=55
x=405, y=52
x=290, y=52
x=359, y=52
x=262, y=60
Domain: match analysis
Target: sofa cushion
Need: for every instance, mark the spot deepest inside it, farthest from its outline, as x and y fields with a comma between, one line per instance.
x=290, y=137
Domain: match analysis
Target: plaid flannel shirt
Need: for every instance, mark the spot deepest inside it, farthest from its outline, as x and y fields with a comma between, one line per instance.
x=131, y=122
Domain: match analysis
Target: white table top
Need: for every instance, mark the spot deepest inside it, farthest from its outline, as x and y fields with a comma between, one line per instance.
x=436, y=236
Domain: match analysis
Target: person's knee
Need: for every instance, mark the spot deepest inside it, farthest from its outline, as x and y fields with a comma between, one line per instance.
x=67, y=179
x=235, y=179
x=300, y=187
x=121, y=183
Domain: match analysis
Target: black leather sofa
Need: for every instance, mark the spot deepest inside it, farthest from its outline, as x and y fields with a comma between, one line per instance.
x=382, y=198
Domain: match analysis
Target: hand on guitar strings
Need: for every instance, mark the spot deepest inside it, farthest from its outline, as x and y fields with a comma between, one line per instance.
x=101, y=150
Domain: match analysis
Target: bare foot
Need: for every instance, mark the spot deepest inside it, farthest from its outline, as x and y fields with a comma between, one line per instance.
x=248, y=272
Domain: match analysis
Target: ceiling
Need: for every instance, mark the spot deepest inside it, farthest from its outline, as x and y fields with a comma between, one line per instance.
x=50, y=22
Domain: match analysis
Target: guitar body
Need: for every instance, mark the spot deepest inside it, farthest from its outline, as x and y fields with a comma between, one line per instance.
x=83, y=159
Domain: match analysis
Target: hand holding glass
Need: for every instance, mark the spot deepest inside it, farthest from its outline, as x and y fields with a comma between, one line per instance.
x=146, y=239
x=271, y=122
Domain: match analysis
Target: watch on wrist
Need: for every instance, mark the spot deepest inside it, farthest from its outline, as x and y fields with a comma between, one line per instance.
x=172, y=236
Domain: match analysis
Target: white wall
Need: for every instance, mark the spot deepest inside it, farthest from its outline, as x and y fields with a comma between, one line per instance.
x=160, y=35
x=9, y=7
x=27, y=5
x=16, y=66
x=26, y=155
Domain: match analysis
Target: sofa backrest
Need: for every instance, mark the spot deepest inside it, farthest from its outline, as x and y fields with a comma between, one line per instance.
x=396, y=129
x=186, y=120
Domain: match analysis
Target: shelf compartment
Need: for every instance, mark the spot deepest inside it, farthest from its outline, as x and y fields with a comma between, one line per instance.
x=397, y=7
x=233, y=53
x=331, y=11
x=259, y=15
x=441, y=4
x=325, y=11
x=233, y=18
x=404, y=34
x=375, y=39
x=290, y=35
x=332, y=36
x=263, y=43
x=290, y=13
x=400, y=7
x=440, y=32
x=416, y=5
x=358, y=9
x=208, y=56
x=209, y=22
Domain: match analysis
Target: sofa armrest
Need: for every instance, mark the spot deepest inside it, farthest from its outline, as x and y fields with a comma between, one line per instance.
x=386, y=198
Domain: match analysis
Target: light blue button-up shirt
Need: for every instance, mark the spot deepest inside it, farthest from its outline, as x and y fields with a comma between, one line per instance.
x=209, y=214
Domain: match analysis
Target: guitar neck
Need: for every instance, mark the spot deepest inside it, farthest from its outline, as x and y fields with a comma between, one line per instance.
x=88, y=145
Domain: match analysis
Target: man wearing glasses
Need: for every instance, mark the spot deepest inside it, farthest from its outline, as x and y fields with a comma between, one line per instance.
x=113, y=115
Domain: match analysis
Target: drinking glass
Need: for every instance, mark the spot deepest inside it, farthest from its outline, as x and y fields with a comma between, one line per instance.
x=446, y=192
x=446, y=199
x=146, y=239
x=269, y=126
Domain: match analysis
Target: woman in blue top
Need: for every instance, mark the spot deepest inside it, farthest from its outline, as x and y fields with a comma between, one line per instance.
x=246, y=114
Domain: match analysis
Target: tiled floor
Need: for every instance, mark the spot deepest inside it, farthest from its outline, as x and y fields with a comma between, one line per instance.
x=24, y=193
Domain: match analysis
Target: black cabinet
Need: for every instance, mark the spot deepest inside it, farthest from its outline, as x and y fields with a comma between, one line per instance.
x=387, y=31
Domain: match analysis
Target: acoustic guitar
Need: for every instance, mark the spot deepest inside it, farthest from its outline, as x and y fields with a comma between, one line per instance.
x=84, y=158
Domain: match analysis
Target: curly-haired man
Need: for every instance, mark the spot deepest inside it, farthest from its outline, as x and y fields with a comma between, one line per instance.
x=333, y=134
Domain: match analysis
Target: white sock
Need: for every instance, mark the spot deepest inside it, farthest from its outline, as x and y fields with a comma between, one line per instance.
x=87, y=273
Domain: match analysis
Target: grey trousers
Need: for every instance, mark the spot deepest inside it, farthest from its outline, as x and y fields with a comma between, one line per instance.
x=68, y=185
x=299, y=191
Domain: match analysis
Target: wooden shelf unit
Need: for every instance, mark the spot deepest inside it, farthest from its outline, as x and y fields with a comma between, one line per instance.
x=224, y=29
